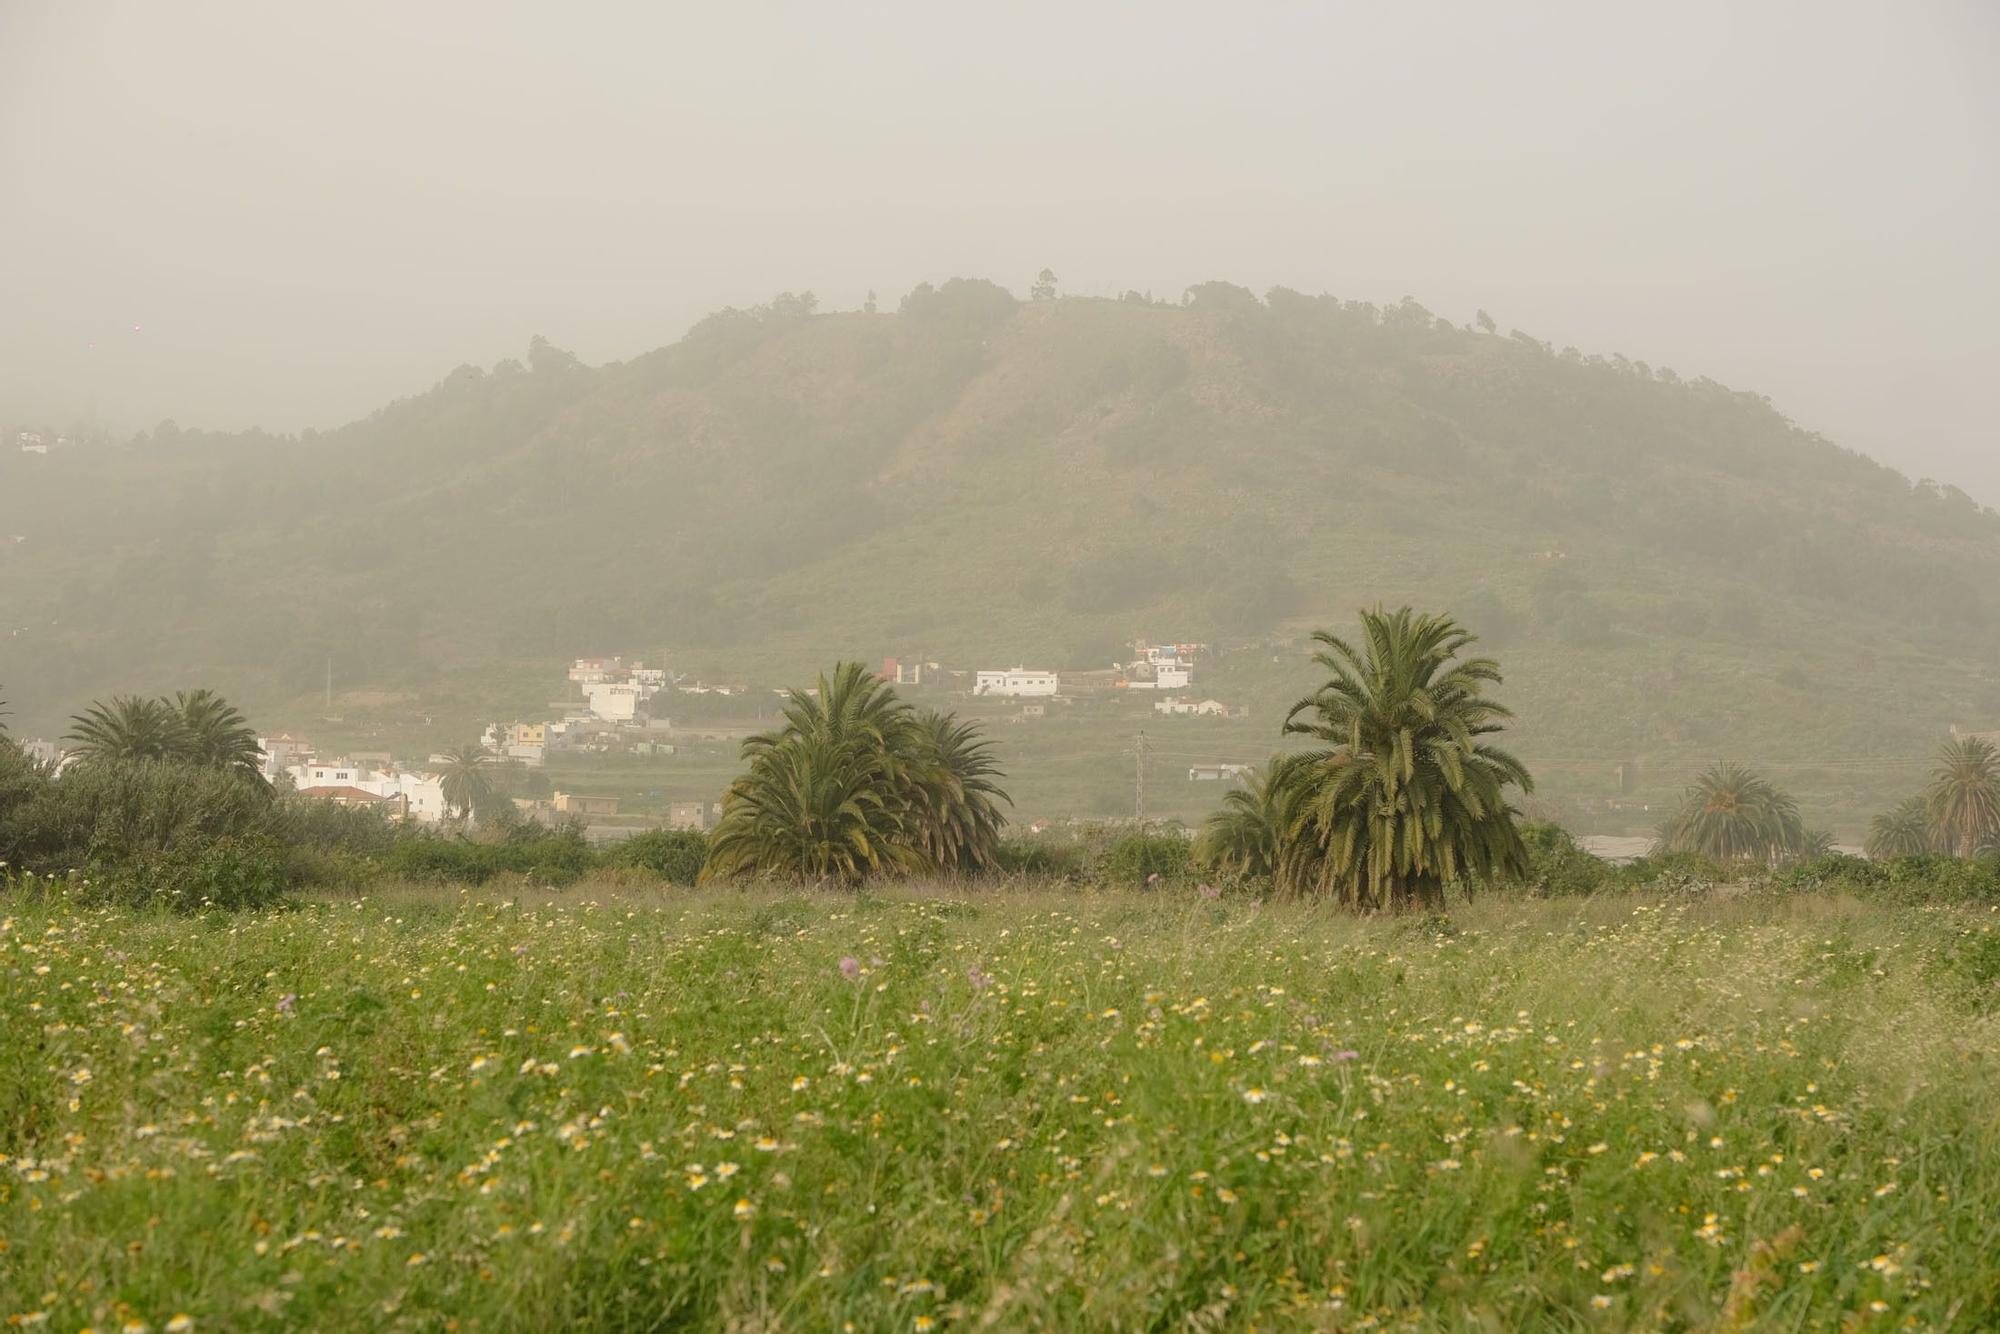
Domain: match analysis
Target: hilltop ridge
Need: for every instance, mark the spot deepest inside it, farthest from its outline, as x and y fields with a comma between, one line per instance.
x=981, y=478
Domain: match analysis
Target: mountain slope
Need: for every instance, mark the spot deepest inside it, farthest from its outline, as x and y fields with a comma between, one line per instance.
x=1665, y=566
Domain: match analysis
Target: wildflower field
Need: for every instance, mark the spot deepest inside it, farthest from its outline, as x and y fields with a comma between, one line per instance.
x=603, y=1109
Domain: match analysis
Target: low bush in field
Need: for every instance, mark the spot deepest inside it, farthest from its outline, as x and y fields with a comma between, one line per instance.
x=1557, y=867
x=1145, y=858
x=1043, y=859
x=674, y=855
x=555, y=858
x=229, y=873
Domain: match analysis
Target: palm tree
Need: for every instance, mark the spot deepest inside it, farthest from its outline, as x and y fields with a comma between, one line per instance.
x=1405, y=796
x=466, y=780
x=1964, y=796
x=856, y=783
x=955, y=800
x=128, y=728
x=1248, y=836
x=811, y=809
x=1732, y=814
x=214, y=734
x=1903, y=832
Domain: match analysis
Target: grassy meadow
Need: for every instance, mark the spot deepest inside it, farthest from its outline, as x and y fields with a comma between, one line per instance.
x=640, y=1109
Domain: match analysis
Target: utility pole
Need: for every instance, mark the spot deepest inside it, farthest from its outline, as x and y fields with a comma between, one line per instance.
x=1139, y=784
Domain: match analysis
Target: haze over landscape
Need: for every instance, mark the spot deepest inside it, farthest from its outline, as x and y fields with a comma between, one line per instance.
x=1053, y=667
x=236, y=214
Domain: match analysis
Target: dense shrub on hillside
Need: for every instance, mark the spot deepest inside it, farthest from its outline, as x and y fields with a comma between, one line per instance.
x=674, y=855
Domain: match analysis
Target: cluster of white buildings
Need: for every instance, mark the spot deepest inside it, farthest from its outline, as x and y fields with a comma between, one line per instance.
x=615, y=691
x=1157, y=667
x=354, y=780
x=617, y=712
x=1185, y=706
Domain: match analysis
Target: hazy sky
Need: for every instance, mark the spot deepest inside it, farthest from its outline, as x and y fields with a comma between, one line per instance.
x=281, y=213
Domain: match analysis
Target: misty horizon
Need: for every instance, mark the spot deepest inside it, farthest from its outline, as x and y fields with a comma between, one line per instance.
x=243, y=216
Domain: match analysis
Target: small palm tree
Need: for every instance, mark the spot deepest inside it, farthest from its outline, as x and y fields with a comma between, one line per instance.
x=811, y=809
x=1964, y=796
x=466, y=780
x=1248, y=836
x=1731, y=815
x=129, y=728
x=1904, y=832
x=857, y=783
x=214, y=734
x=954, y=798
x=1406, y=795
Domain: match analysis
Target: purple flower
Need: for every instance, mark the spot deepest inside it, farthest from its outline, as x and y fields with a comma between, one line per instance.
x=850, y=968
x=1153, y=879
x=1208, y=891
x=977, y=978
x=1347, y=1056
x=287, y=1001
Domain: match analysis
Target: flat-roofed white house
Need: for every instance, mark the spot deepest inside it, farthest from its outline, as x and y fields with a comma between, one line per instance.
x=613, y=701
x=1018, y=682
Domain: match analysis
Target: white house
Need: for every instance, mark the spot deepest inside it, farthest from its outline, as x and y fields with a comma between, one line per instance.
x=1019, y=682
x=1176, y=677
x=418, y=796
x=281, y=753
x=1189, y=708
x=613, y=701
x=586, y=671
x=45, y=752
x=1216, y=773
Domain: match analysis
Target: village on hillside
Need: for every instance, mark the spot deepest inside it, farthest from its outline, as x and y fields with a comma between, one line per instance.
x=617, y=709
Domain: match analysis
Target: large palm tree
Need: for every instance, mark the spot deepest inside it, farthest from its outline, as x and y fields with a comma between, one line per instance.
x=126, y=729
x=1903, y=832
x=1405, y=795
x=857, y=783
x=214, y=734
x=466, y=780
x=1732, y=814
x=1964, y=796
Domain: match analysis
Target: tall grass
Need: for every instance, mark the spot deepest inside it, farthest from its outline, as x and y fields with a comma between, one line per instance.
x=613, y=1106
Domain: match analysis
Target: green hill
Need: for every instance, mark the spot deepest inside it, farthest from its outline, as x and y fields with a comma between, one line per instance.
x=1669, y=570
